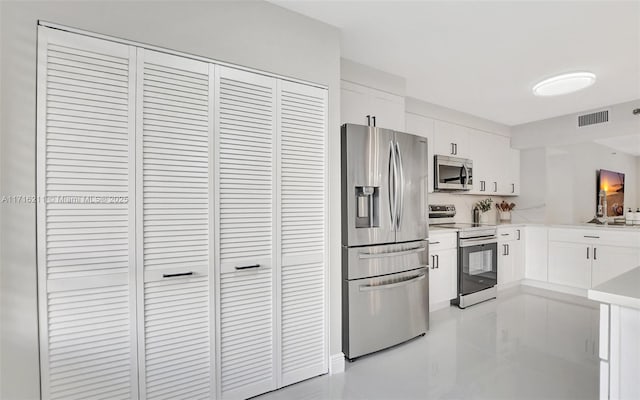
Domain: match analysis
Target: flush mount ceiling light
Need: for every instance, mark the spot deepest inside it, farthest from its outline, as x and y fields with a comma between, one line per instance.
x=565, y=83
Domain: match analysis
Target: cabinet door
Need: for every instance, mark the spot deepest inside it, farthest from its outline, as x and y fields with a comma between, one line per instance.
x=388, y=110
x=302, y=172
x=354, y=105
x=358, y=101
x=505, y=264
x=485, y=151
x=443, y=274
x=451, y=140
x=570, y=264
x=438, y=281
x=174, y=230
x=85, y=229
x=516, y=249
x=513, y=184
x=423, y=126
x=536, y=253
x=612, y=261
x=245, y=231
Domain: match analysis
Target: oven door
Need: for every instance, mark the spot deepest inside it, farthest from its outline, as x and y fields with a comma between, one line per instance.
x=453, y=173
x=478, y=264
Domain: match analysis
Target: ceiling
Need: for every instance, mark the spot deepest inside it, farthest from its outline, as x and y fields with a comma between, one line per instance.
x=484, y=57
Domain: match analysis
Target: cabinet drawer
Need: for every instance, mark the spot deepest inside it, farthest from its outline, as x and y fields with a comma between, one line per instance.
x=442, y=240
x=508, y=234
x=625, y=237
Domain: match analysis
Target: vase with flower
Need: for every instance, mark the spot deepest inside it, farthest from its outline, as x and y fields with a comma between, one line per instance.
x=484, y=206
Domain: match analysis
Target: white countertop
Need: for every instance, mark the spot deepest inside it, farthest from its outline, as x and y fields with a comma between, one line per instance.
x=623, y=290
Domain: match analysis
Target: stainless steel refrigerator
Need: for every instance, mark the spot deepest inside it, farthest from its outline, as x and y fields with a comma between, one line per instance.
x=385, y=251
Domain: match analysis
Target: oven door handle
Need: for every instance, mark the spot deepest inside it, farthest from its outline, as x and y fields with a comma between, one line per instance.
x=392, y=253
x=368, y=288
x=476, y=242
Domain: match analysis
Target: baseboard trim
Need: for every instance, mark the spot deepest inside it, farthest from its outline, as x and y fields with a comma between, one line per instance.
x=336, y=363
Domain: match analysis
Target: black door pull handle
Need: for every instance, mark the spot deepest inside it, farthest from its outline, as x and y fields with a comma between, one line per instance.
x=247, y=266
x=177, y=274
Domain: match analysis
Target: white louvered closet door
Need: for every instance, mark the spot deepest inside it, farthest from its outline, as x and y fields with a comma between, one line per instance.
x=302, y=128
x=175, y=196
x=86, y=259
x=245, y=205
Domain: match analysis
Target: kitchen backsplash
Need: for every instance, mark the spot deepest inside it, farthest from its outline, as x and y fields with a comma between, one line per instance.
x=464, y=204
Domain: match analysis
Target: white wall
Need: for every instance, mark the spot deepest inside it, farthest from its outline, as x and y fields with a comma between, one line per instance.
x=559, y=182
x=254, y=34
x=561, y=131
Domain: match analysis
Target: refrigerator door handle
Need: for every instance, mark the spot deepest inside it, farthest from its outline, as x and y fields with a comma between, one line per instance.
x=400, y=202
x=392, y=185
x=392, y=253
x=405, y=282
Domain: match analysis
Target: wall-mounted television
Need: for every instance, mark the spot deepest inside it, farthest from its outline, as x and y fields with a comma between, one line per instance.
x=613, y=185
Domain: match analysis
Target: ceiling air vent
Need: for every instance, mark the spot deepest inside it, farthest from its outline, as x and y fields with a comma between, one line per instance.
x=593, y=118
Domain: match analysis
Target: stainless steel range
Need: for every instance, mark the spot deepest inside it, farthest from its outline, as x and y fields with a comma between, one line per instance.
x=477, y=256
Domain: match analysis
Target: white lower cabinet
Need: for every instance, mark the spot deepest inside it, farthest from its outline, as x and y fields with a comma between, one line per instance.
x=190, y=261
x=443, y=269
x=511, y=263
x=612, y=261
x=586, y=258
x=570, y=264
x=536, y=253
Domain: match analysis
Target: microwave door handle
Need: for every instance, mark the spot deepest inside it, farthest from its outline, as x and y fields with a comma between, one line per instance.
x=466, y=176
x=400, y=202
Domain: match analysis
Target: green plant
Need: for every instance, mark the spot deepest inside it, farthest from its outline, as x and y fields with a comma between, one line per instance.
x=484, y=205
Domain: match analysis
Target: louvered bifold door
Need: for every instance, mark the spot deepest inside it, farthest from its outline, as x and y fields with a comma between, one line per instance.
x=303, y=207
x=175, y=198
x=245, y=181
x=85, y=224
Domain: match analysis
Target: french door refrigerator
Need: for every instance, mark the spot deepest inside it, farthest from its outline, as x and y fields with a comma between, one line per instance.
x=385, y=251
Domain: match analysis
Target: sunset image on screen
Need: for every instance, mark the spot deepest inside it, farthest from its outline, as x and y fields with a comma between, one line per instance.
x=613, y=184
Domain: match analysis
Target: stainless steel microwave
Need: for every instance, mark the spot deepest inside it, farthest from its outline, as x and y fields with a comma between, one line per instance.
x=452, y=173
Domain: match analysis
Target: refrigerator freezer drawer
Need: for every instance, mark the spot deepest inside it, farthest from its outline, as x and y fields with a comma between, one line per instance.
x=384, y=311
x=371, y=261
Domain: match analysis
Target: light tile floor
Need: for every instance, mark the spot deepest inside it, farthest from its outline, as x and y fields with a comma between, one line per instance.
x=527, y=344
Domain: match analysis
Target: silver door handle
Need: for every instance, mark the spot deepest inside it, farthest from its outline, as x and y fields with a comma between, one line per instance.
x=437, y=261
x=392, y=253
x=587, y=253
x=392, y=192
x=595, y=253
x=466, y=176
x=400, y=204
x=495, y=187
x=475, y=242
x=518, y=230
x=433, y=262
x=368, y=288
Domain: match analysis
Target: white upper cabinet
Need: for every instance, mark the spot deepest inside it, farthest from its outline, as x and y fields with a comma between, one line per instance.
x=86, y=229
x=452, y=140
x=246, y=209
x=358, y=101
x=174, y=183
x=496, y=166
x=423, y=126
